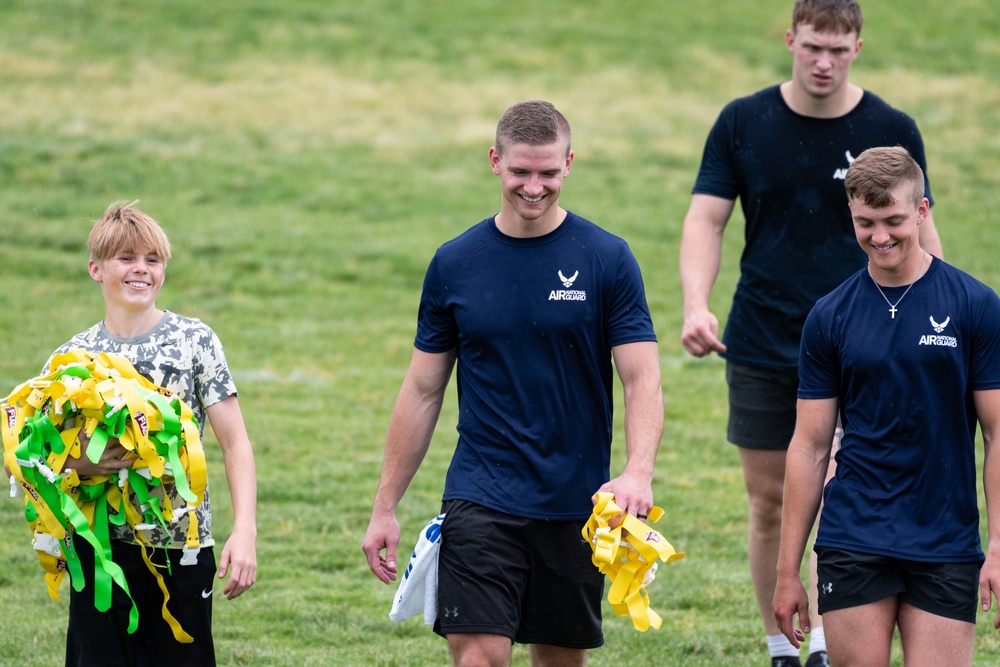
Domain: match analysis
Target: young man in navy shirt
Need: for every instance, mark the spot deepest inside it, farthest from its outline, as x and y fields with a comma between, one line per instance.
x=906, y=353
x=531, y=306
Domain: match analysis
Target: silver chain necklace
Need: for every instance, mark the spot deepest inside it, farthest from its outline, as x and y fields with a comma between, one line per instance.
x=892, y=306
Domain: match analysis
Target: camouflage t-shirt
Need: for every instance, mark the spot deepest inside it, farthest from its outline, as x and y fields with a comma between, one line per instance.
x=185, y=356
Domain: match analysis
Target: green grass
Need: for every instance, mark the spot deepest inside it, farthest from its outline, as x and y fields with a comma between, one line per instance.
x=306, y=158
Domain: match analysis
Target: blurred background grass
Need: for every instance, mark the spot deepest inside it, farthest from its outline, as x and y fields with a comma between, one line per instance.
x=306, y=157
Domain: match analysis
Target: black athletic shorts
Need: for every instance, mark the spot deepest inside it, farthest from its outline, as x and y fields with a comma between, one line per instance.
x=761, y=406
x=530, y=580
x=851, y=579
x=101, y=639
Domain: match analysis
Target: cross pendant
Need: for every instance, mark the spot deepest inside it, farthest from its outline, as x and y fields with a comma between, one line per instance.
x=892, y=311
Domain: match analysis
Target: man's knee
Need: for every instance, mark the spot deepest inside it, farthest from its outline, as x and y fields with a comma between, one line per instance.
x=479, y=650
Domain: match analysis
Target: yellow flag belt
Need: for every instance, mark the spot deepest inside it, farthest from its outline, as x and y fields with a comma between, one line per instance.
x=105, y=397
x=627, y=554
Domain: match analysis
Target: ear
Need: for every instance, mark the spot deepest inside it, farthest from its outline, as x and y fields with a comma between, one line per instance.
x=495, y=160
x=923, y=208
x=789, y=39
x=569, y=163
x=94, y=269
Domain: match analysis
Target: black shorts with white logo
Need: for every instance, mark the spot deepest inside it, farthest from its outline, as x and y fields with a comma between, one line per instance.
x=851, y=579
x=530, y=580
x=100, y=639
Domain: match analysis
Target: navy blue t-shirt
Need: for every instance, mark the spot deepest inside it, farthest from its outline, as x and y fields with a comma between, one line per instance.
x=905, y=484
x=534, y=321
x=788, y=172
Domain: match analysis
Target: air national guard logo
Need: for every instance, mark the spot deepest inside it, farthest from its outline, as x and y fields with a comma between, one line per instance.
x=567, y=294
x=939, y=340
x=841, y=173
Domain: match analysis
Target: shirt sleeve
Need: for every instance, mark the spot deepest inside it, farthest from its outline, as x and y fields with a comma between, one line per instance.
x=437, y=330
x=213, y=380
x=985, y=361
x=629, y=320
x=717, y=174
x=819, y=368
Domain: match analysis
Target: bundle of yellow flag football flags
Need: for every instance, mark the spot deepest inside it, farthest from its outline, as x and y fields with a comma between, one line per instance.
x=628, y=555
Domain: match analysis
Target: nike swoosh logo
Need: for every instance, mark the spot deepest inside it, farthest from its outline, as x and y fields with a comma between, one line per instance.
x=206, y=593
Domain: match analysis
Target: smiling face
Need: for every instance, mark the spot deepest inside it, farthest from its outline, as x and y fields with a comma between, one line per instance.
x=821, y=60
x=531, y=179
x=130, y=281
x=889, y=235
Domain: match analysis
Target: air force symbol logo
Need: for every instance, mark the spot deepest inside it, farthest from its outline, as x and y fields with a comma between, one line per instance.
x=940, y=327
x=568, y=282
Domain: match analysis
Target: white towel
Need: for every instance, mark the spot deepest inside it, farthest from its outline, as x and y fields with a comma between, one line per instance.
x=417, y=590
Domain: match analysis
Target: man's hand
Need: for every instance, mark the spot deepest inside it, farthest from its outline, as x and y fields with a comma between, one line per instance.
x=989, y=583
x=790, y=599
x=700, y=335
x=633, y=494
x=240, y=557
x=383, y=534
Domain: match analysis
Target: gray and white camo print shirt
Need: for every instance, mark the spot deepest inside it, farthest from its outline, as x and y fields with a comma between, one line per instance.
x=185, y=356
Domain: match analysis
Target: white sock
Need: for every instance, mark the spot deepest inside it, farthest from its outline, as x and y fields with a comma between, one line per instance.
x=817, y=640
x=779, y=646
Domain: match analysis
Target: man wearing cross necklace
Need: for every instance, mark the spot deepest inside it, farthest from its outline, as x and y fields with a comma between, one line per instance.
x=898, y=543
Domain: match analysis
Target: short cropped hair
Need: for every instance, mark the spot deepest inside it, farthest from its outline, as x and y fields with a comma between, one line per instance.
x=875, y=173
x=839, y=16
x=126, y=229
x=534, y=122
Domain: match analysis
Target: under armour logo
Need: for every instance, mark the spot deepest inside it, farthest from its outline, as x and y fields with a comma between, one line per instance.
x=827, y=588
x=451, y=613
x=940, y=327
x=568, y=282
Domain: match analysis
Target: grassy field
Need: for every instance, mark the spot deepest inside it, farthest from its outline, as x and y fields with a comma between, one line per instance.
x=307, y=157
